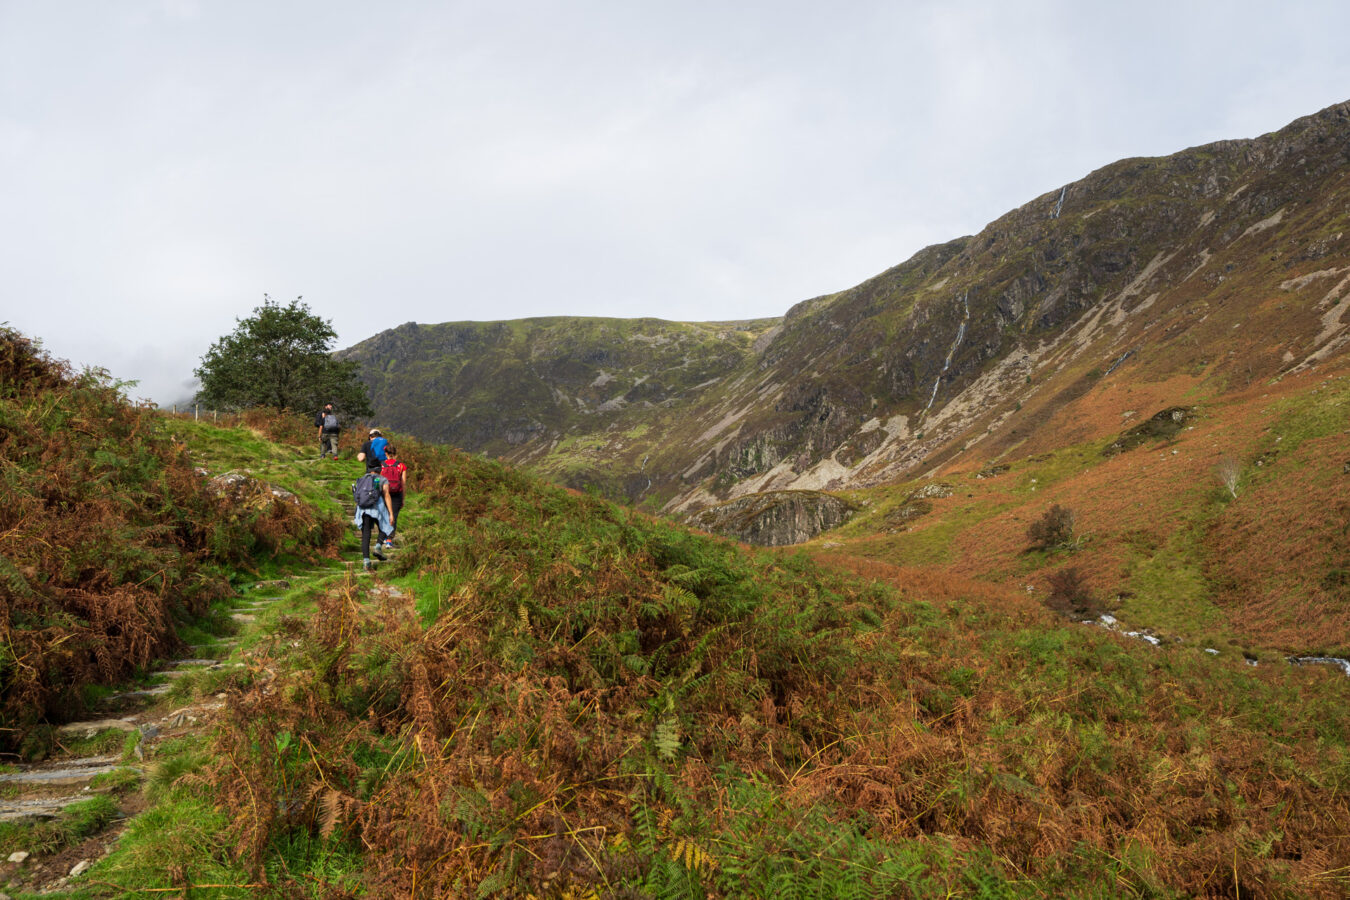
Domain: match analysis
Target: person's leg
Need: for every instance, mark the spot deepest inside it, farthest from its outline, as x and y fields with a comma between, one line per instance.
x=366, y=523
x=397, y=497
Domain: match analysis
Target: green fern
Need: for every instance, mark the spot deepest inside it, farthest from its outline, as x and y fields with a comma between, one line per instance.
x=667, y=738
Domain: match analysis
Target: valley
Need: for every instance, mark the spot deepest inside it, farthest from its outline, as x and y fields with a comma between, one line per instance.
x=1215, y=280
x=1018, y=570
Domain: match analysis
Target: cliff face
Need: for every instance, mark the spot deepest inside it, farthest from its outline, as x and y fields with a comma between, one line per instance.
x=775, y=518
x=1215, y=267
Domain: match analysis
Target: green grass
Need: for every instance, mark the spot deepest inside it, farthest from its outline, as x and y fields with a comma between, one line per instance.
x=1317, y=413
x=1169, y=591
x=118, y=781
x=239, y=449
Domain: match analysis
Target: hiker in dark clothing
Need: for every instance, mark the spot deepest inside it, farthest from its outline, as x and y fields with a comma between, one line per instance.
x=396, y=474
x=372, y=451
x=327, y=423
x=377, y=516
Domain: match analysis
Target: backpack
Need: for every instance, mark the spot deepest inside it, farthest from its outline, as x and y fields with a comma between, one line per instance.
x=365, y=493
x=330, y=422
x=377, y=447
x=392, y=472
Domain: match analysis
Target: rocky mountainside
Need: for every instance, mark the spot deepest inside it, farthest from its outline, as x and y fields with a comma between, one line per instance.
x=1208, y=271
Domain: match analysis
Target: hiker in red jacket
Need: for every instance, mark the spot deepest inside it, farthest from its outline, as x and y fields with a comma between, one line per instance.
x=395, y=474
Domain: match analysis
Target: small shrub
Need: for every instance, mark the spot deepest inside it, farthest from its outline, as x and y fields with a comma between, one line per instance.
x=1052, y=531
x=1070, y=593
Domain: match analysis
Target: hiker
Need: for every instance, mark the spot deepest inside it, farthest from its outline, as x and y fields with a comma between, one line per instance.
x=327, y=423
x=372, y=451
x=374, y=512
x=395, y=473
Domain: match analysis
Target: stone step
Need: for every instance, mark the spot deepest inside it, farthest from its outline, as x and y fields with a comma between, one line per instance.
x=143, y=694
x=243, y=618
x=47, y=787
x=185, y=663
x=65, y=773
x=36, y=809
x=94, y=726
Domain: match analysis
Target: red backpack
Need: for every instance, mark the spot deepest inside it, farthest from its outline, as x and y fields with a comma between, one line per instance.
x=392, y=472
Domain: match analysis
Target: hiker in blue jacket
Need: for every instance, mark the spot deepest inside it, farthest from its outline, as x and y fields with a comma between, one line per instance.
x=374, y=511
x=372, y=451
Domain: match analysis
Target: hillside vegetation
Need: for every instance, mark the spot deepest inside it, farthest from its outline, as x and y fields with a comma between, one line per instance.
x=112, y=543
x=549, y=695
x=1228, y=532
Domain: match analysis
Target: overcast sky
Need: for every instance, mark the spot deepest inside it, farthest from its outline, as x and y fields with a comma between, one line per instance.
x=165, y=163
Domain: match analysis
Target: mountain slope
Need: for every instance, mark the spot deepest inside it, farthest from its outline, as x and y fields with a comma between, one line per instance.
x=1221, y=265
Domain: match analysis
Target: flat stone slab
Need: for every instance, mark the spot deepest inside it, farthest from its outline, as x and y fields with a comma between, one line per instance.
x=185, y=663
x=69, y=772
x=93, y=727
x=155, y=691
x=243, y=618
x=36, y=809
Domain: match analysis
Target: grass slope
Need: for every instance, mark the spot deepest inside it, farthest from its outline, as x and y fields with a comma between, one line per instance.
x=1161, y=541
x=553, y=696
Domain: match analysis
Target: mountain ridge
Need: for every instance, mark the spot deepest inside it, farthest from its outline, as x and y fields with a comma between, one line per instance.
x=1139, y=271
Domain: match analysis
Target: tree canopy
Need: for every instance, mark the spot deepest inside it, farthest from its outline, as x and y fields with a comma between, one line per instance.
x=280, y=356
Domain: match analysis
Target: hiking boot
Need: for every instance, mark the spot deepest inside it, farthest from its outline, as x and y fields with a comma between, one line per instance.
x=378, y=554
x=365, y=563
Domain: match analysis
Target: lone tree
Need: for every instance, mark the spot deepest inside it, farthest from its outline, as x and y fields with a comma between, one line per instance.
x=280, y=356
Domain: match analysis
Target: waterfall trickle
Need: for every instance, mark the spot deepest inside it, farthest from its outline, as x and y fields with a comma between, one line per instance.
x=947, y=363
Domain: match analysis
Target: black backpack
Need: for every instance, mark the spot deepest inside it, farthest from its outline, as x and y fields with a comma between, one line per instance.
x=365, y=493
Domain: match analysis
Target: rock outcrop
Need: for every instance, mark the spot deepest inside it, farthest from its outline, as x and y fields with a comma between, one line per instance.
x=776, y=518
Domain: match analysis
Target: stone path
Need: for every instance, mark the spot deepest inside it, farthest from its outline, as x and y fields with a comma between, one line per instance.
x=43, y=791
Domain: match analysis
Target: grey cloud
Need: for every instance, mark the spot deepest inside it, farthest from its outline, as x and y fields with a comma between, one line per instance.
x=166, y=163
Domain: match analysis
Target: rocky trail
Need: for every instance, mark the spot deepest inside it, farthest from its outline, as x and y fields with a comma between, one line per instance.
x=113, y=754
